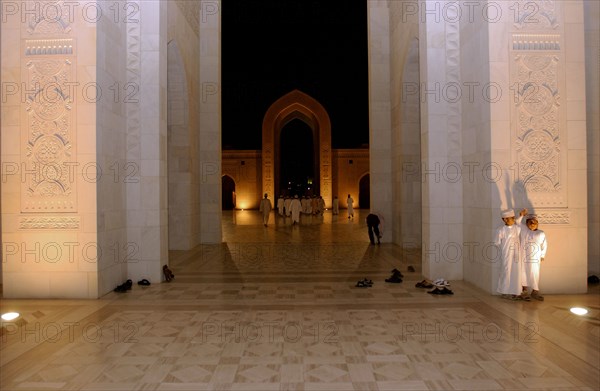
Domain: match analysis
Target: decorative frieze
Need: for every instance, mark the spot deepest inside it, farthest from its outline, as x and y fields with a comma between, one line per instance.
x=45, y=47
x=536, y=42
x=51, y=222
x=554, y=217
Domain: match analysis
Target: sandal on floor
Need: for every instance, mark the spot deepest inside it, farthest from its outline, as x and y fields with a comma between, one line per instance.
x=144, y=282
x=424, y=284
x=361, y=284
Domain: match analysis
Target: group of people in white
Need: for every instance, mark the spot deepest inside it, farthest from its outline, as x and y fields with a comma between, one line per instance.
x=294, y=206
x=522, y=250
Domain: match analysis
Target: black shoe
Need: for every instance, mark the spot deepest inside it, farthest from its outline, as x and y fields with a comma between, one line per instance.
x=121, y=288
x=144, y=282
x=128, y=284
x=367, y=282
x=361, y=284
x=436, y=291
x=446, y=291
x=411, y=269
x=397, y=272
x=394, y=279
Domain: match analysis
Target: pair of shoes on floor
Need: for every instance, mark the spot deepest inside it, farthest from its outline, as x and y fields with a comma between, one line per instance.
x=424, y=284
x=144, y=282
x=536, y=295
x=168, y=273
x=441, y=291
x=525, y=296
x=124, y=287
x=395, y=278
x=364, y=283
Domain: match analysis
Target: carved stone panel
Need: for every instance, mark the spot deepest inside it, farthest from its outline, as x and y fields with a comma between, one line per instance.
x=537, y=119
x=47, y=140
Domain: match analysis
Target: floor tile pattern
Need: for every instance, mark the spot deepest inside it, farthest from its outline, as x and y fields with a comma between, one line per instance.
x=277, y=308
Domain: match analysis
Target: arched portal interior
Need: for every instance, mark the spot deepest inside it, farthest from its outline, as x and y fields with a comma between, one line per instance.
x=296, y=105
x=297, y=160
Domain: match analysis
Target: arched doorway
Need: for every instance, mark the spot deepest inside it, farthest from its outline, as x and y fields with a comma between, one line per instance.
x=296, y=105
x=227, y=193
x=364, y=192
x=297, y=165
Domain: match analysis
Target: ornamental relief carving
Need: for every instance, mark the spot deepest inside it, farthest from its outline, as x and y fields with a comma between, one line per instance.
x=51, y=17
x=535, y=14
x=537, y=103
x=48, y=144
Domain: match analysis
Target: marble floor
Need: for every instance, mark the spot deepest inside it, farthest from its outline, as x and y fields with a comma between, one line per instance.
x=276, y=308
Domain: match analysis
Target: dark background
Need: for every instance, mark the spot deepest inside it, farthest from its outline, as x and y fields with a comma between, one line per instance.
x=270, y=48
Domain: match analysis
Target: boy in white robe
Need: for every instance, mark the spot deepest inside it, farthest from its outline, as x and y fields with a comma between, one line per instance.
x=533, y=242
x=507, y=238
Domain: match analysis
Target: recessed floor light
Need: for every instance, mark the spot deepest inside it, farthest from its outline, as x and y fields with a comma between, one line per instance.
x=579, y=311
x=10, y=316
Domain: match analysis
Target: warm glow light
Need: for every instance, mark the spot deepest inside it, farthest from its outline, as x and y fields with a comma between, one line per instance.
x=579, y=311
x=10, y=316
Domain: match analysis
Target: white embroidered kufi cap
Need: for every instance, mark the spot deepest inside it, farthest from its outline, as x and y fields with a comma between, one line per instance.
x=508, y=213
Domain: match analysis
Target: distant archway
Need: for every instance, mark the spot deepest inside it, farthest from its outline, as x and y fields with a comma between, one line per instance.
x=227, y=193
x=296, y=105
x=364, y=192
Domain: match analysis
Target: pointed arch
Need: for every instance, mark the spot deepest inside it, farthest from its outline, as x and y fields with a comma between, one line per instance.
x=296, y=105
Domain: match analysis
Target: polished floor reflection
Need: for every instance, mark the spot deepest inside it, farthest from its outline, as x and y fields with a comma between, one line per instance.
x=276, y=308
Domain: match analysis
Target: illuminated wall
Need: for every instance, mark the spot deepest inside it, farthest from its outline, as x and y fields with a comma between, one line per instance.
x=244, y=167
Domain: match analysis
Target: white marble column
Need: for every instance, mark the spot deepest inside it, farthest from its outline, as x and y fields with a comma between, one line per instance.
x=210, y=121
x=380, y=132
x=147, y=142
x=441, y=146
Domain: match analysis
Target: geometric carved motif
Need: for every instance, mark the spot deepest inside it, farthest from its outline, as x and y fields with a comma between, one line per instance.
x=51, y=17
x=537, y=102
x=534, y=14
x=48, y=142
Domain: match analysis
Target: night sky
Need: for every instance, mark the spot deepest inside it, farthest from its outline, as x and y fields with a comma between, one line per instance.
x=270, y=48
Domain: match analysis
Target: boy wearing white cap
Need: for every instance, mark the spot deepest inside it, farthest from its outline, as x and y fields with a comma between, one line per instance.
x=507, y=238
x=533, y=242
